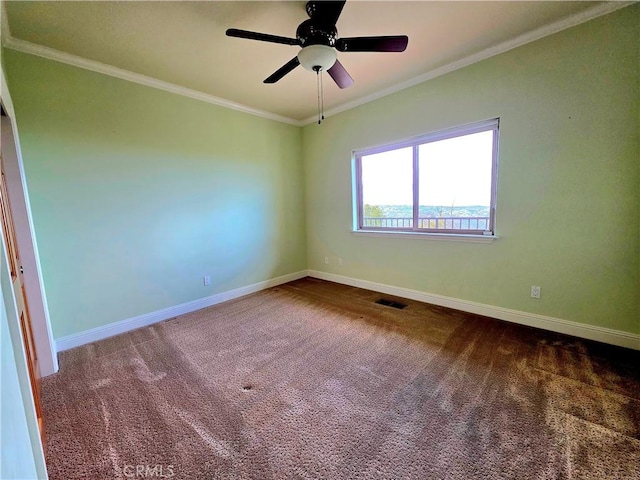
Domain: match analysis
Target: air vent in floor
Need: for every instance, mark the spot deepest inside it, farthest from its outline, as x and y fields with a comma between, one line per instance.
x=391, y=303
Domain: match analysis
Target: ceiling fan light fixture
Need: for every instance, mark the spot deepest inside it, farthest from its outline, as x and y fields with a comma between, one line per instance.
x=315, y=56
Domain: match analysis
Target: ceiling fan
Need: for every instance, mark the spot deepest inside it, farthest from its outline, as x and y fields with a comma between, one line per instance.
x=319, y=40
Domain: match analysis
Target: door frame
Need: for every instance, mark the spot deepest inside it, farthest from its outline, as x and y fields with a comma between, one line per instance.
x=46, y=347
x=21, y=211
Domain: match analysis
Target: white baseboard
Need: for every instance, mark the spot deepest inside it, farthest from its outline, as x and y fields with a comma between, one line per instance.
x=106, y=331
x=591, y=332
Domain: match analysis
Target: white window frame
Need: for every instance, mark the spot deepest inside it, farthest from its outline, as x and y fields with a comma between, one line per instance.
x=459, y=131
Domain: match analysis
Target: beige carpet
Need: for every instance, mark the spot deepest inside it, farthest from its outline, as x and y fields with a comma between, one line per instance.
x=314, y=380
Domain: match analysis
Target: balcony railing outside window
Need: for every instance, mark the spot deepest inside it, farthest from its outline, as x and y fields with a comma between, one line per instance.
x=432, y=223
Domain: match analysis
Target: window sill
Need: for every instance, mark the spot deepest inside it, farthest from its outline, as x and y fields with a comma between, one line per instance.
x=448, y=237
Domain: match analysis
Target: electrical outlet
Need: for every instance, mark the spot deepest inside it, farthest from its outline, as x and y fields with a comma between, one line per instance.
x=339, y=261
x=206, y=280
x=326, y=259
x=535, y=291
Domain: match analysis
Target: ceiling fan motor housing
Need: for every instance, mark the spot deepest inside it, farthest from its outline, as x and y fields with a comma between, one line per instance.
x=311, y=33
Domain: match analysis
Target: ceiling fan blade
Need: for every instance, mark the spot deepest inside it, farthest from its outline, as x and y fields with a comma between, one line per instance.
x=263, y=37
x=283, y=70
x=340, y=75
x=394, y=43
x=325, y=12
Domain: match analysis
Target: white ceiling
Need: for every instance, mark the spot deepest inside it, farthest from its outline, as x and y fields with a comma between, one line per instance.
x=184, y=43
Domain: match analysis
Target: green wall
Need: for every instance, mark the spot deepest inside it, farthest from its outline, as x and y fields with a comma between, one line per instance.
x=137, y=193
x=568, y=188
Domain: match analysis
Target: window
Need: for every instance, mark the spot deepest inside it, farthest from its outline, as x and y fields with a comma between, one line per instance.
x=443, y=182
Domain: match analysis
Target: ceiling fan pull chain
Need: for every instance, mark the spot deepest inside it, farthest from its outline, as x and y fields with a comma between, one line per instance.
x=318, y=88
x=321, y=97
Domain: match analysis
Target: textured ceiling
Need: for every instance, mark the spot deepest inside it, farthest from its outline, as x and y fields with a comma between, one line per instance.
x=184, y=43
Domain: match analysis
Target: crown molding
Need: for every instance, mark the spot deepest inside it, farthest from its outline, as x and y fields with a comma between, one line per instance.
x=24, y=46
x=10, y=42
x=568, y=22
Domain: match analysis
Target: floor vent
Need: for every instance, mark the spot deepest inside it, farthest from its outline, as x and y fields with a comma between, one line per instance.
x=390, y=303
